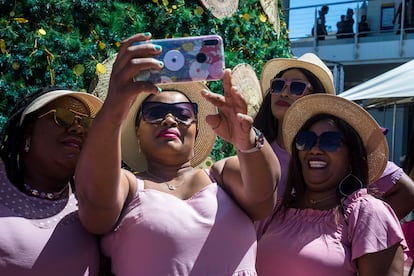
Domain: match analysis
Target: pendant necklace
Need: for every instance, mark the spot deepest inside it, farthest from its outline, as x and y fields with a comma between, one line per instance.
x=317, y=201
x=45, y=195
x=167, y=183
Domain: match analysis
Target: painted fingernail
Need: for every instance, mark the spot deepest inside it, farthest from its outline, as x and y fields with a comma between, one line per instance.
x=157, y=47
x=205, y=92
x=159, y=89
x=147, y=34
x=161, y=64
x=241, y=116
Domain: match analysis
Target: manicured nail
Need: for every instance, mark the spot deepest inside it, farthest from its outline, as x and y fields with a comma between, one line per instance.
x=147, y=34
x=157, y=47
x=161, y=64
x=159, y=89
x=241, y=116
x=205, y=92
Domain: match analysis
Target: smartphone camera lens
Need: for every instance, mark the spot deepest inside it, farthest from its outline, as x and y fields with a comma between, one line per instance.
x=211, y=42
x=201, y=57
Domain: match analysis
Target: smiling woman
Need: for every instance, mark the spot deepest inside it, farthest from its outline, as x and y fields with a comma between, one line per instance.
x=337, y=149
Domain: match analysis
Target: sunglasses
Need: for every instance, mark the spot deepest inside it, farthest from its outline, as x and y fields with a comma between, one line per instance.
x=65, y=118
x=328, y=141
x=183, y=112
x=295, y=87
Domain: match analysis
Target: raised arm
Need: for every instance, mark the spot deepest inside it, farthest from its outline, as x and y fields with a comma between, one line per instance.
x=102, y=186
x=250, y=177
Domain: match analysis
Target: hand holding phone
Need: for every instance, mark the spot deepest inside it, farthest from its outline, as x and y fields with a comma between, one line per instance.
x=187, y=59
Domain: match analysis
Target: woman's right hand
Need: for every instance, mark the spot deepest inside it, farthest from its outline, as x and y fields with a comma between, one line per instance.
x=130, y=61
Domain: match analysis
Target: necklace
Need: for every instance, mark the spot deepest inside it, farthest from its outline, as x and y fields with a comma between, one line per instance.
x=317, y=201
x=45, y=195
x=170, y=186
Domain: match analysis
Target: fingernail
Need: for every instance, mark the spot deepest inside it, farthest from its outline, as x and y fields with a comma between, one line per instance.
x=157, y=47
x=241, y=116
x=205, y=92
x=147, y=34
x=161, y=64
x=159, y=89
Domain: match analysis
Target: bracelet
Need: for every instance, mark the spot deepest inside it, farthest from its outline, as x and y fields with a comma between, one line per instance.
x=259, y=142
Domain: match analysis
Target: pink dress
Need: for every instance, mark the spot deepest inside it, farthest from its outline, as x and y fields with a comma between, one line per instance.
x=43, y=237
x=160, y=234
x=309, y=242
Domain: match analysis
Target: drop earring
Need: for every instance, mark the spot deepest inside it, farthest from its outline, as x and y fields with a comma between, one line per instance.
x=27, y=145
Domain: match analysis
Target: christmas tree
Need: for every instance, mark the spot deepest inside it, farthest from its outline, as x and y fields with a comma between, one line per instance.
x=65, y=43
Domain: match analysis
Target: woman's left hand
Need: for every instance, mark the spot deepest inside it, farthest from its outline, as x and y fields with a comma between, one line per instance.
x=231, y=122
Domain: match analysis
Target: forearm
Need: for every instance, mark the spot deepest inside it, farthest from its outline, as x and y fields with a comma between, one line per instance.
x=98, y=172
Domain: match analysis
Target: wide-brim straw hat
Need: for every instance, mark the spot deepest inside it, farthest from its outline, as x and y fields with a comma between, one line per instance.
x=131, y=153
x=245, y=79
x=308, y=61
x=364, y=124
x=221, y=8
x=92, y=102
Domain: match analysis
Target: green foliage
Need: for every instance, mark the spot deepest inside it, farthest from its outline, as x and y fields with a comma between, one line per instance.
x=50, y=42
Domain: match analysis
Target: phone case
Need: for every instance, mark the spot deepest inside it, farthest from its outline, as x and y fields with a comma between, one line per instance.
x=187, y=59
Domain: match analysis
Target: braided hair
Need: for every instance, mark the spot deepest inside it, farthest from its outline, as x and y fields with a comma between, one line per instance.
x=12, y=137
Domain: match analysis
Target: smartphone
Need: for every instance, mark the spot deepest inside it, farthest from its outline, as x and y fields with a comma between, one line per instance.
x=187, y=59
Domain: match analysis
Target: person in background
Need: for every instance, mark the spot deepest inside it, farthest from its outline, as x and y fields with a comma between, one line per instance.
x=340, y=26
x=40, y=231
x=348, y=25
x=363, y=27
x=321, y=31
x=326, y=222
x=285, y=80
x=172, y=218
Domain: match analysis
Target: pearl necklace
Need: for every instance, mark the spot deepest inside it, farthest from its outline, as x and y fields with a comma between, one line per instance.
x=167, y=183
x=45, y=195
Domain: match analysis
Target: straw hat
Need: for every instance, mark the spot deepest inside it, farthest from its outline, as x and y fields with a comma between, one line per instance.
x=308, y=61
x=131, y=153
x=221, y=8
x=91, y=102
x=244, y=77
x=357, y=117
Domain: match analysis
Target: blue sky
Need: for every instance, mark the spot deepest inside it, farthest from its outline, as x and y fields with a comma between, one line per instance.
x=302, y=20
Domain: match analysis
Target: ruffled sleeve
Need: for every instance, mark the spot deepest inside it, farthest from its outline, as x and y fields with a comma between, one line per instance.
x=372, y=224
x=388, y=179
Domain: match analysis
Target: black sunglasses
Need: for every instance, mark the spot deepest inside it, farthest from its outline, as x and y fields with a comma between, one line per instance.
x=295, y=87
x=183, y=112
x=328, y=141
x=65, y=118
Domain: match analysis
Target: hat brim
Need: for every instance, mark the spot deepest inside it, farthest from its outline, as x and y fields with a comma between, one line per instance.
x=277, y=65
x=131, y=153
x=245, y=79
x=357, y=117
x=92, y=102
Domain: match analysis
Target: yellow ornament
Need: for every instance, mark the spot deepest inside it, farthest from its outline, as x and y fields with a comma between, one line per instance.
x=78, y=70
x=3, y=46
x=246, y=16
x=263, y=17
x=20, y=20
x=101, y=45
x=41, y=32
x=100, y=68
x=199, y=11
